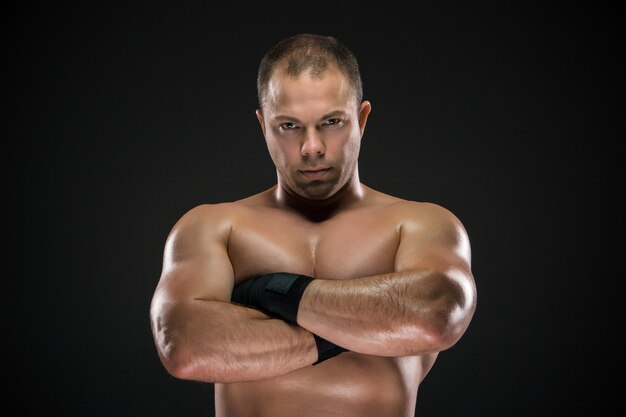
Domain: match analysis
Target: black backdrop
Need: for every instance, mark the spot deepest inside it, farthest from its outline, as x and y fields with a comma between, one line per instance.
x=123, y=118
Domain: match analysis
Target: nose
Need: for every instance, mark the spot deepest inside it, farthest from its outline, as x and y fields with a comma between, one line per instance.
x=313, y=144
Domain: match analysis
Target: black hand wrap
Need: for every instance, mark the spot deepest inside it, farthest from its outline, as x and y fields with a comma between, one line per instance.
x=326, y=349
x=277, y=294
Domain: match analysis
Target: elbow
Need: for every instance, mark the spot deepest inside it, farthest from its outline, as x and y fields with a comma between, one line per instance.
x=449, y=329
x=181, y=362
x=440, y=331
x=175, y=347
x=176, y=363
x=181, y=366
x=450, y=312
x=172, y=352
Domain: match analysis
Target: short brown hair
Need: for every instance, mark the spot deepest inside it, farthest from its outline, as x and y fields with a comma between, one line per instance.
x=312, y=53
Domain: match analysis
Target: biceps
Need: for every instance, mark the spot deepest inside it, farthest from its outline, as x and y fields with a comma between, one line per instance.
x=433, y=258
x=415, y=253
x=438, y=243
x=206, y=277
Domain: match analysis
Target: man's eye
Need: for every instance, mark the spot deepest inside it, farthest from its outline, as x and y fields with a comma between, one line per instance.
x=335, y=121
x=288, y=126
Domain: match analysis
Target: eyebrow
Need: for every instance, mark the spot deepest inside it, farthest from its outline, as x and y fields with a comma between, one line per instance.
x=326, y=116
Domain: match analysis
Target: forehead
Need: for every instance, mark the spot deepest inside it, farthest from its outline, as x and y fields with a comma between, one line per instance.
x=306, y=94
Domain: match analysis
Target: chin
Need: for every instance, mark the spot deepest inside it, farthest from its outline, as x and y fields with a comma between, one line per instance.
x=314, y=191
x=320, y=194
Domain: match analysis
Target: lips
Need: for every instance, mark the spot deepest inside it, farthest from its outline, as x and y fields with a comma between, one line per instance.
x=315, y=173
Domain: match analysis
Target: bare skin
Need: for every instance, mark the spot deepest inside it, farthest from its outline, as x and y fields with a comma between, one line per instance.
x=393, y=279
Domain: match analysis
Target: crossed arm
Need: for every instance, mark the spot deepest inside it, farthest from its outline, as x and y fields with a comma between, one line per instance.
x=424, y=306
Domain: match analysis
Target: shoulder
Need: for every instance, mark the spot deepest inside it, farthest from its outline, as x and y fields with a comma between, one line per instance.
x=410, y=214
x=432, y=222
x=424, y=213
x=221, y=216
x=409, y=211
x=208, y=213
x=209, y=220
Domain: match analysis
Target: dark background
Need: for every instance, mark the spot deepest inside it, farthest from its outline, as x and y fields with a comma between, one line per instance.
x=123, y=118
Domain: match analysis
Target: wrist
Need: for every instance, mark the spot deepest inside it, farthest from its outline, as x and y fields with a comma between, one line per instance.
x=278, y=294
x=283, y=294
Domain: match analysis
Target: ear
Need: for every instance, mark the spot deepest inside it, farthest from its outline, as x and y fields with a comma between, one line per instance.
x=259, y=116
x=364, y=112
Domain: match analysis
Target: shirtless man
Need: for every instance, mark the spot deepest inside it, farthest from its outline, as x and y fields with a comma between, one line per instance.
x=392, y=280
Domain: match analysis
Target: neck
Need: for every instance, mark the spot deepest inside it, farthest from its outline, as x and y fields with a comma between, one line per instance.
x=350, y=194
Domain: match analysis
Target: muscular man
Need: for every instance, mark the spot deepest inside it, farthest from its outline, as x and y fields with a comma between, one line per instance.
x=382, y=284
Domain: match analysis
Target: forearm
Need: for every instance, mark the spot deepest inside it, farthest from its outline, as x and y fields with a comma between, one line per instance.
x=214, y=341
x=393, y=314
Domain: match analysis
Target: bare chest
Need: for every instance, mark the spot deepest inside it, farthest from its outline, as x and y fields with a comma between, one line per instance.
x=350, y=245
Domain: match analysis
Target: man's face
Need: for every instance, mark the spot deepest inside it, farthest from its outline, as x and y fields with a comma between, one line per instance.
x=312, y=123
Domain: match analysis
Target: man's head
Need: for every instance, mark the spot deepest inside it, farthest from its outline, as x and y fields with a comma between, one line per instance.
x=311, y=112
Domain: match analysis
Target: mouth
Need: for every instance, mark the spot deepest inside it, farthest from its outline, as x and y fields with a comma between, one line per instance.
x=315, y=174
